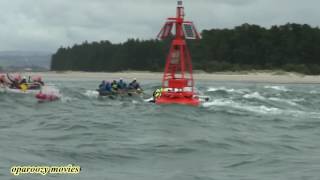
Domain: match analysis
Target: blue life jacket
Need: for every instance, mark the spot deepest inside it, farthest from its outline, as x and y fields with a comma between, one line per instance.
x=122, y=85
x=108, y=87
x=102, y=86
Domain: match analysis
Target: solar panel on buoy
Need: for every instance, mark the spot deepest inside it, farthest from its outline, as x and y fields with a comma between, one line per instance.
x=189, y=31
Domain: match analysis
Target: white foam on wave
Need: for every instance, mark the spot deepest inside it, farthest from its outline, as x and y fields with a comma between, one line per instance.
x=91, y=93
x=283, y=101
x=278, y=88
x=298, y=100
x=51, y=90
x=66, y=99
x=148, y=100
x=313, y=92
x=219, y=102
x=303, y=114
x=262, y=109
x=255, y=95
x=231, y=90
x=50, y=84
x=250, y=108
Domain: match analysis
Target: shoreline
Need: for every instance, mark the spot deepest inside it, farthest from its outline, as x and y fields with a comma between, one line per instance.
x=251, y=77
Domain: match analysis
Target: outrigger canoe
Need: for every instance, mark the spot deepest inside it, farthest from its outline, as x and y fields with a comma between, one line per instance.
x=120, y=93
x=12, y=85
x=19, y=91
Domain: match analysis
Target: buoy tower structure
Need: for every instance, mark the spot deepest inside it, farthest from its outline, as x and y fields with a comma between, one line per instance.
x=178, y=83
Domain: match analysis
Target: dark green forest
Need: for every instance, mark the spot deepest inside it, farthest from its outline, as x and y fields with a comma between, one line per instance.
x=290, y=47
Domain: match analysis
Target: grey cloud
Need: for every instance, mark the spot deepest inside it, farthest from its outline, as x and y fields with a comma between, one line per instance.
x=48, y=24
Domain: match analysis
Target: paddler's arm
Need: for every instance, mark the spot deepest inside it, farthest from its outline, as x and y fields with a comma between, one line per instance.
x=9, y=78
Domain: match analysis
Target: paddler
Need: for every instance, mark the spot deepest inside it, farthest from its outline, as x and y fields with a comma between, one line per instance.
x=108, y=87
x=134, y=85
x=156, y=94
x=122, y=85
x=114, y=85
x=2, y=79
x=24, y=80
x=23, y=84
x=14, y=82
x=102, y=86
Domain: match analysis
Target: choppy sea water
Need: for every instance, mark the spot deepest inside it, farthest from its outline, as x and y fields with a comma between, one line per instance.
x=247, y=131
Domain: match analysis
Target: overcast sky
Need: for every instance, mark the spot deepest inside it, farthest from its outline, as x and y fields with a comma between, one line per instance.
x=48, y=24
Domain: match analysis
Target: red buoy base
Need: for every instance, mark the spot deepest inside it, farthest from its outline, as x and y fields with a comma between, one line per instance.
x=178, y=98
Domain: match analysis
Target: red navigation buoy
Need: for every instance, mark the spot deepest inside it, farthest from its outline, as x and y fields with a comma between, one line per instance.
x=178, y=82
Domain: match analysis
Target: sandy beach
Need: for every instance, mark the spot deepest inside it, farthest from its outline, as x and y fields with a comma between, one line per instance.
x=254, y=77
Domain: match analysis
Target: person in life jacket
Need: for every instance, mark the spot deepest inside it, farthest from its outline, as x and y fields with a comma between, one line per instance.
x=23, y=84
x=3, y=81
x=114, y=85
x=102, y=86
x=24, y=80
x=14, y=81
x=35, y=83
x=121, y=84
x=108, y=87
x=157, y=93
x=134, y=85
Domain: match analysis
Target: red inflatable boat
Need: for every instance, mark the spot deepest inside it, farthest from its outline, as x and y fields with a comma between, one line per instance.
x=46, y=97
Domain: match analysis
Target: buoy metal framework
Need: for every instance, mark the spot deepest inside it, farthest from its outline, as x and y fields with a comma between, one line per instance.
x=178, y=83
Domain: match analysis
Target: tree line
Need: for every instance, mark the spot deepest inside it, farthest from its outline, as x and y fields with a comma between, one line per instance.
x=290, y=47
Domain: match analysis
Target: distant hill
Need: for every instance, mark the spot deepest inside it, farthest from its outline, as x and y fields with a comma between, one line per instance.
x=25, y=59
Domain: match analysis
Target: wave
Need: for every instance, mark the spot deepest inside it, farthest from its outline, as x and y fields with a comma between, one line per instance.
x=91, y=94
x=262, y=109
x=305, y=114
x=53, y=90
x=283, y=101
x=314, y=92
x=278, y=88
x=231, y=90
x=255, y=95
